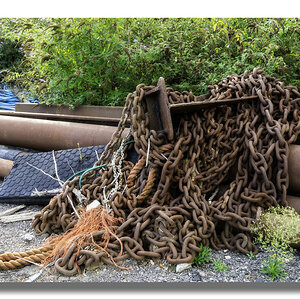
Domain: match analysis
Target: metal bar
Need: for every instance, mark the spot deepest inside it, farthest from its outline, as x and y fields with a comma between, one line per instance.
x=71, y=118
x=158, y=109
x=82, y=110
x=198, y=105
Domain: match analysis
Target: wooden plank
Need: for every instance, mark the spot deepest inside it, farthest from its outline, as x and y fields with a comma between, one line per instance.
x=199, y=105
x=11, y=210
x=18, y=217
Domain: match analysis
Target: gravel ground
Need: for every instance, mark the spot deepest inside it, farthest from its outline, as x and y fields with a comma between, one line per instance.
x=19, y=236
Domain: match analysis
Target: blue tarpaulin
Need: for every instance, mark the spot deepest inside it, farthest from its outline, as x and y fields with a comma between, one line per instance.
x=8, y=99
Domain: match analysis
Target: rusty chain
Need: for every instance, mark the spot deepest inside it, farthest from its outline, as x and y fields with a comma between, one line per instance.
x=168, y=199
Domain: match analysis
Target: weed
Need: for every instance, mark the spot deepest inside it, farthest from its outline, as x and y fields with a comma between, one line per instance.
x=80, y=155
x=203, y=256
x=219, y=265
x=251, y=255
x=274, y=268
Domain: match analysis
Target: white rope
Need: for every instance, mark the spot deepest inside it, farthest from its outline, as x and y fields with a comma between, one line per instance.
x=148, y=151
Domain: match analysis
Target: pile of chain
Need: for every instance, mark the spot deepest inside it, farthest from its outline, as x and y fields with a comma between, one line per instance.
x=169, y=199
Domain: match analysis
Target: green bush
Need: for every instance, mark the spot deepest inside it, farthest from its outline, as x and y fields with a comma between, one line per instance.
x=99, y=61
x=276, y=230
x=10, y=55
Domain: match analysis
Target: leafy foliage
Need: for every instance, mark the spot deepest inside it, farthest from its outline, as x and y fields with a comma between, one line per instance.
x=276, y=229
x=251, y=255
x=203, y=256
x=274, y=268
x=10, y=55
x=99, y=61
x=219, y=265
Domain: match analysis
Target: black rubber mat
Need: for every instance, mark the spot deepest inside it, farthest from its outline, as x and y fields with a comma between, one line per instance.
x=26, y=184
x=10, y=153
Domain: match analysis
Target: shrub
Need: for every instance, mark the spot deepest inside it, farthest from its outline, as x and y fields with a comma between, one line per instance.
x=10, y=55
x=99, y=61
x=276, y=229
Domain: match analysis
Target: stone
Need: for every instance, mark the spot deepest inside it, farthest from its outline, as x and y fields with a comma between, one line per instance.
x=182, y=267
x=202, y=273
x=28, y=237
x=28, y=271
x=227, y=257
x=94, y=204
x=196, y=278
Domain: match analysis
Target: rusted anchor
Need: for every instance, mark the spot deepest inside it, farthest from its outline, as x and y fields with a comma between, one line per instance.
x=162, y=114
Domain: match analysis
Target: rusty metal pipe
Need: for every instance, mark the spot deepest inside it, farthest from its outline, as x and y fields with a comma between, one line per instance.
x=45, y=135
x=5, y=167
x=294, y=168
x=294, y=202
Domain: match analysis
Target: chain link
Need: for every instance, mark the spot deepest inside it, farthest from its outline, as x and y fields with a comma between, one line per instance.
x=241, y=149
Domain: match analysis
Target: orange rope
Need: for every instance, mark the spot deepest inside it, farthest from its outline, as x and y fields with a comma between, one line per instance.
x=20, y=259
x=149, y=185
x=135, y=171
